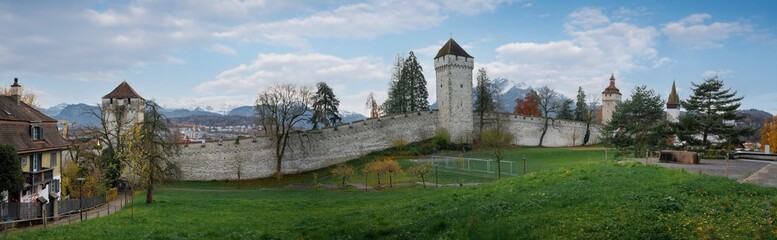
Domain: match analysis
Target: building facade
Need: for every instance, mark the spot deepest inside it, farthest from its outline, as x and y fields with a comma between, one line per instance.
x=38, y=144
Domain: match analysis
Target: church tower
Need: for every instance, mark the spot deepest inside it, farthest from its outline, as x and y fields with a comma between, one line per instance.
x=610, y=98
x=454, y=67
x=673, y=106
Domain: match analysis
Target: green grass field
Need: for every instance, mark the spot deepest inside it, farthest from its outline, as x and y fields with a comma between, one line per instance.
x=565, y=196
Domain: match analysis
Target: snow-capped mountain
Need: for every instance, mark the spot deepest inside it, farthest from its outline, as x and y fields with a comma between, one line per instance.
x=222, y=109
x=55, y=110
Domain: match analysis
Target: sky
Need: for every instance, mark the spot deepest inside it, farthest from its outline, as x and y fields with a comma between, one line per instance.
x=223, y=53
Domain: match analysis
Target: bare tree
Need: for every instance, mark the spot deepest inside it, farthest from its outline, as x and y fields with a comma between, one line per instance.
x=151, y=147
x=496, y=139
x=280, y=108
x=593, y=102
x=549, y=103
x=373, y=106
x=115, y=122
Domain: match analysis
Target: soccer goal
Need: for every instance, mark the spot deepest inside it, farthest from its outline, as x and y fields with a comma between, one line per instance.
x=472, y=164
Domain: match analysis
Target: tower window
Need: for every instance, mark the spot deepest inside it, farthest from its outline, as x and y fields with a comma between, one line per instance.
x=461, y=85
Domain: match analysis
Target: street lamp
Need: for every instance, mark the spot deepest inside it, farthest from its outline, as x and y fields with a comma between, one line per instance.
x=81, y=196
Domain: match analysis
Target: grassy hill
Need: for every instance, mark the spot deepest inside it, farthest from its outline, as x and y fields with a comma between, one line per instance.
x=584, y=201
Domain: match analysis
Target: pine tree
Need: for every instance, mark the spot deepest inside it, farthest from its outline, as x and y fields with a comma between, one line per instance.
x=484, y=96
x=564, y=111
x=325, y=105
x=581, y=108
x=413, y=76
x=638, y=124
x=711, y=114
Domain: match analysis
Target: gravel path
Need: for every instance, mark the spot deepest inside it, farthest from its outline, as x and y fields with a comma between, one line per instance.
x=750, y=171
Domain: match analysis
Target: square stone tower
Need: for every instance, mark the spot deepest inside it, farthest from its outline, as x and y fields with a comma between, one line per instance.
x=610, y=98
x=454, y=67
x=123, y=107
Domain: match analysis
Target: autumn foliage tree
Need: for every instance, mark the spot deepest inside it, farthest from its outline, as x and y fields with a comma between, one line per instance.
x=421, y=170
x=391, y=167
x=769, y=133
x=529, y=105
x=343, y=171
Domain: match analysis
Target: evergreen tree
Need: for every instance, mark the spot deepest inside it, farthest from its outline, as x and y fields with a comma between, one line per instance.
x=413, y=77
x=11, y=178
x=395, y=103
x=564, y=111
x=325, y=105
x=711, y=114
x=581, y=108
x=638, y=124
x=407, y=90
x=485, y=96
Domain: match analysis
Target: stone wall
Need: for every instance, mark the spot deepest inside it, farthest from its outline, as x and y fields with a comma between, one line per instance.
x=527, y=130
x=308, y=151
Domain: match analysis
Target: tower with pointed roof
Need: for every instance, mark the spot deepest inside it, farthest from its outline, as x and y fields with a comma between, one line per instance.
x=123, y=107
x=611, y=96
x=453, y=67
x=673, y=106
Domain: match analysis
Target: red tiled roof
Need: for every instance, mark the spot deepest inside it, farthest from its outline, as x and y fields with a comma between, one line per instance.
x=123, y=91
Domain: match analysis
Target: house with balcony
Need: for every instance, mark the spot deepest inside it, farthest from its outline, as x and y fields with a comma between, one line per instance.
x=38, y=143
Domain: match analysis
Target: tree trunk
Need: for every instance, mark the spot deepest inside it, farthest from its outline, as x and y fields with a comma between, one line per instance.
x=149, y=194
x=378, y=179
x=544, y=130
x=498, y=169
x=391, y=181
x=423, y=181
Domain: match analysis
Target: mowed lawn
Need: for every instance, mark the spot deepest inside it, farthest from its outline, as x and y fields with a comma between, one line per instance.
x=590, y=200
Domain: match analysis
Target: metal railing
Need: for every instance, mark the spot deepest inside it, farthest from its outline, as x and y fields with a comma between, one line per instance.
x=16, y=211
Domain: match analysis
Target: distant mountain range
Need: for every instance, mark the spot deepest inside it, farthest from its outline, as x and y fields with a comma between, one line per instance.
x=82, y=115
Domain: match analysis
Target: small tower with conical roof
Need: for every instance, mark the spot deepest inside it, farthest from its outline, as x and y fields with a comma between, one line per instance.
x=454, y=67
x=673, y=106
x=610, y=98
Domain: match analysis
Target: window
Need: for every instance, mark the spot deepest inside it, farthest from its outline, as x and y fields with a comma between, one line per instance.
x=53, y=160
x=24, y=161
x=36, y=133
x=36, y=161
x=54, y=186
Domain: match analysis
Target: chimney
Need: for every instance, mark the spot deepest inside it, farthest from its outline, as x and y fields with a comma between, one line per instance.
x=16, y=90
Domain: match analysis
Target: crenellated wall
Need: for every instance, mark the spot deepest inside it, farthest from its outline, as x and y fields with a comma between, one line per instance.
x=307, y=151
x=528, y=130
x=316, y=149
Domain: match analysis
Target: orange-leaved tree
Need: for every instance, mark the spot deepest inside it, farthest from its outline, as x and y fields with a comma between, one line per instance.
x=529, y=105
x=392, y=167
x=769, y=133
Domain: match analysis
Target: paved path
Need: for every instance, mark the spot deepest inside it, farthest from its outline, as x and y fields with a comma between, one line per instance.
x=750, y=171
x=766, y=176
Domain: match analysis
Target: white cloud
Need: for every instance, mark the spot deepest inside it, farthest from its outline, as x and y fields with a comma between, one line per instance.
x=359, y=20
x=222, y=49
x=692, y=31
x=722, y=73
x=349, y=77
x=597, y=46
